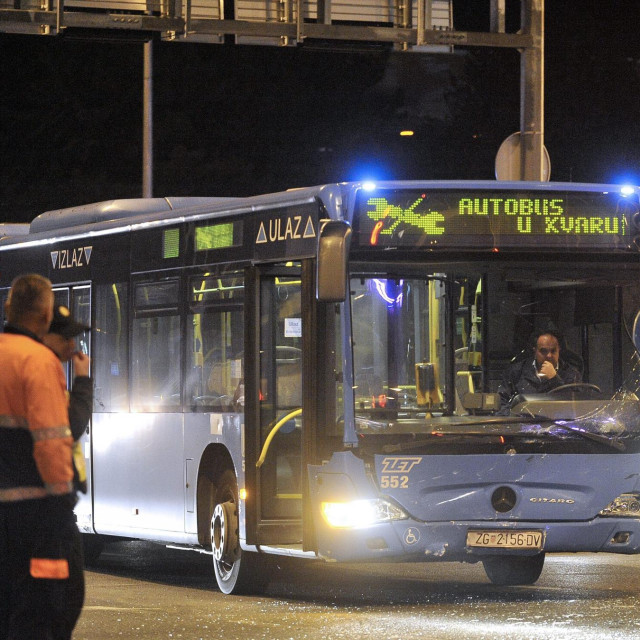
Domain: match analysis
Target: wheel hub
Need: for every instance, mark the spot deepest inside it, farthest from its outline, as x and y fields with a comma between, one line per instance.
x=223, y=532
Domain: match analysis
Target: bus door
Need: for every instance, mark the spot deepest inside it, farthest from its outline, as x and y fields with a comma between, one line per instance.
x=274, y=418
x=78, y=300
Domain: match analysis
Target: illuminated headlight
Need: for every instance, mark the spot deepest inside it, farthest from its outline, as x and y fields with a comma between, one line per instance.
x=360, y=513
x=626, y=505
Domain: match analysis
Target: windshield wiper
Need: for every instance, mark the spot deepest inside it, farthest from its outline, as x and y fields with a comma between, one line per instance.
x=613, y=443
x=600, y=438
x=416, y=444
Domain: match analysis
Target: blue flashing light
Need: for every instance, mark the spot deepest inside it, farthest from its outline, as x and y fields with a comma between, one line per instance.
x=627, y=190
x=368, y=169
x=369, y=185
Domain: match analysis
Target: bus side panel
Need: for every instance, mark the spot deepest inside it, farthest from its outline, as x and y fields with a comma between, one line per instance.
x=138, y=481
x=18, y=262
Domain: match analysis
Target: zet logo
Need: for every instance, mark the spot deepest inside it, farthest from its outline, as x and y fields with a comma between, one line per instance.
x=400, y=464
x=388, y=217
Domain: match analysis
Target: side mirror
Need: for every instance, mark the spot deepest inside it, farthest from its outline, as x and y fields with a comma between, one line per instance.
x=334, y=241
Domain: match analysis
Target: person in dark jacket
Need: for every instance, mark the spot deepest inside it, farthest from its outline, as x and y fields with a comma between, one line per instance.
x=61, y=340
x=542, y=372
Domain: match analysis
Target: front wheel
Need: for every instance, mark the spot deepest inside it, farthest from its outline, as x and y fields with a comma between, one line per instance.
x=236, y=571
x=513, y=570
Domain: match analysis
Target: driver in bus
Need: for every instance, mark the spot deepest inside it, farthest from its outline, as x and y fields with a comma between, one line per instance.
x=547, y=371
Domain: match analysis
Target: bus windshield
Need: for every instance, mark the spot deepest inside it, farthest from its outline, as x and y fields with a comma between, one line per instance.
x=432, y=351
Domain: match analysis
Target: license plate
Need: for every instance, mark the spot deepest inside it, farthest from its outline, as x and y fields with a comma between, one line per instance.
x=492, y=539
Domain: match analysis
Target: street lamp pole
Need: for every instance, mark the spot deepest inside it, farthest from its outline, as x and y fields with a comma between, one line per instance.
x=147, y=126
x=532, y=93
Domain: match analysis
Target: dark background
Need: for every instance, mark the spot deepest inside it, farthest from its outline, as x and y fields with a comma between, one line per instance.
x=240, y=120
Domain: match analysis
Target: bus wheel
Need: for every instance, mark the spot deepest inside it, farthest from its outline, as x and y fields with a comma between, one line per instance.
x=513, y=570
x=236, y=571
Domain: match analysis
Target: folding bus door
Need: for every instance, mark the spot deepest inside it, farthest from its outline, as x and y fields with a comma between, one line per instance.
x=274, y=410
x=78, y=299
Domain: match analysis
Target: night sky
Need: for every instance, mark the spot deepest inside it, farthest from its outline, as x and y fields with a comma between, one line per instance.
x=240, y=120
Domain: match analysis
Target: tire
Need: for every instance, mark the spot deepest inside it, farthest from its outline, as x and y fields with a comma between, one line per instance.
x=236, y=571
x=92, y=545
x=514, y=570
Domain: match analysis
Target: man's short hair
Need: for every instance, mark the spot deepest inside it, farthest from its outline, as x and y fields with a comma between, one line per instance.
x=547, y=332
x=28, y=296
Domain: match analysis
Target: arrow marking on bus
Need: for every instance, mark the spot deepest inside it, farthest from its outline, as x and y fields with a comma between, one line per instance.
x=262, y=235
x=309, y=231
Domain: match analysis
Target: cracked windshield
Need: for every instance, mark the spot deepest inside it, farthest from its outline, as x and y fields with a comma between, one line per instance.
x=536, y=355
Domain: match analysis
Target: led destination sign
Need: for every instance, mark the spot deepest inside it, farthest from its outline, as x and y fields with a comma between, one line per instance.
x=483, y=218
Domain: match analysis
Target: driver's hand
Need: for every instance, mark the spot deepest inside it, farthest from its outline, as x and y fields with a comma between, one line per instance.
x=548, y=370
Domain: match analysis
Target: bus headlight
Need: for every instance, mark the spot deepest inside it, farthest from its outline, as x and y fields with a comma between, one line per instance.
x=626, y=505
x=360, y=513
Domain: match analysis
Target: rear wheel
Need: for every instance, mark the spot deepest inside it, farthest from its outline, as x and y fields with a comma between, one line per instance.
x=236, y=571
x=514, y=570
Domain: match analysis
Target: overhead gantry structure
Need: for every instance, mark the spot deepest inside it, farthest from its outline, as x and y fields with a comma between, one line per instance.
x=418, y=26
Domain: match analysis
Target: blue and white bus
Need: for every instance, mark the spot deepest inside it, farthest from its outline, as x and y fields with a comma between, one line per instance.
x=314, y=373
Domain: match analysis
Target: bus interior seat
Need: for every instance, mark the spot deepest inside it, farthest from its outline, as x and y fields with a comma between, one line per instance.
x=572, y=358
x=464, y=386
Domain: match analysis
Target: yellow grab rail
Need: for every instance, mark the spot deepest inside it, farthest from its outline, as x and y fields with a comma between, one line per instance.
x=272, y=433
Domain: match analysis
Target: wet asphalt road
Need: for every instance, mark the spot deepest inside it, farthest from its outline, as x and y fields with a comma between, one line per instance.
x=146, y=591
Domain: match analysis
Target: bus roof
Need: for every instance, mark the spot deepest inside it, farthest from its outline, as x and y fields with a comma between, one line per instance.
x=112, y=216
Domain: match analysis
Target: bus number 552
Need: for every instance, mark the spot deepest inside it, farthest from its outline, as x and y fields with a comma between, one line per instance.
x=394, y=482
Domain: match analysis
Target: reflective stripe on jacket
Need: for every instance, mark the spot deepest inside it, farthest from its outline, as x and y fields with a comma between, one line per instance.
x=35, y=440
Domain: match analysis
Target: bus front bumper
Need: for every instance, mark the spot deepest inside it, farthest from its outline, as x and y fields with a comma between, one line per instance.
x=471, y=541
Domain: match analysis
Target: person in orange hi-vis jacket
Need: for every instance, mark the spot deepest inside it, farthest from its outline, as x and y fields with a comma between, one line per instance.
x=41, y=563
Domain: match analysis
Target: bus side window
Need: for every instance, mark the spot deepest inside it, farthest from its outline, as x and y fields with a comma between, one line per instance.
x=215, y=340
x=215, y=367
x=111, y=348
x=155, y=357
